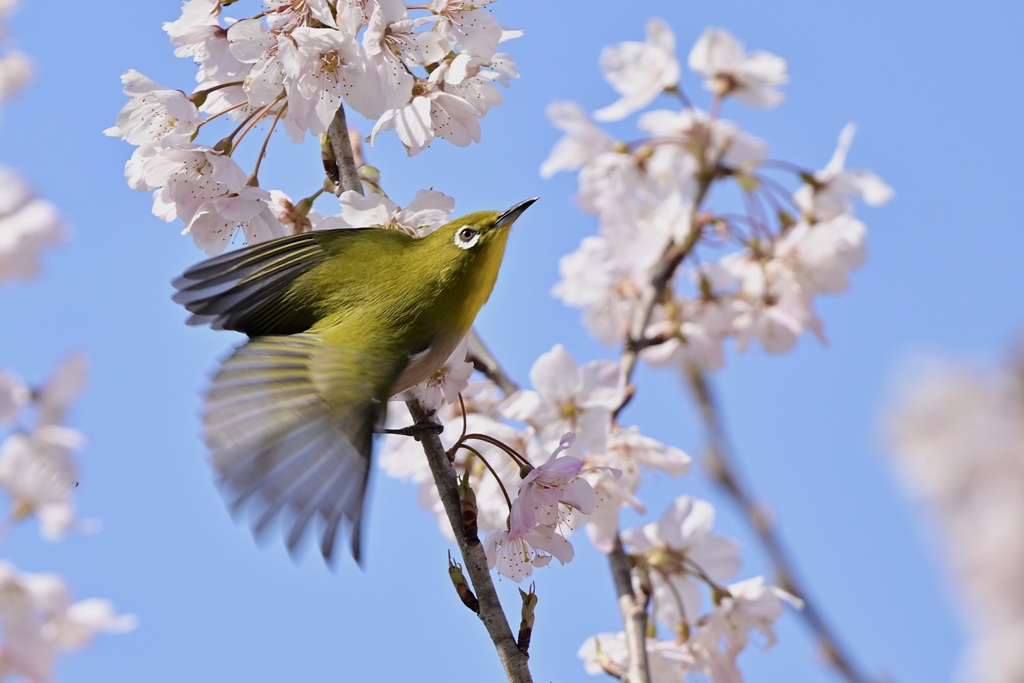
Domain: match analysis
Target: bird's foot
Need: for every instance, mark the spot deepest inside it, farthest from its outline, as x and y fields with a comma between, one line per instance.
x=420, y=428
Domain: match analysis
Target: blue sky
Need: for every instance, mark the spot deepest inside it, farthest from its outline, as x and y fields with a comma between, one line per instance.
x=936, y=97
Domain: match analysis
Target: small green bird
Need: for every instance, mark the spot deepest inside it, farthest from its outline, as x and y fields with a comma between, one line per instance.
x=338, y=321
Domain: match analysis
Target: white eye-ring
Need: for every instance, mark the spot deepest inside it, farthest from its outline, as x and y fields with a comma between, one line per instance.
x=466, y=238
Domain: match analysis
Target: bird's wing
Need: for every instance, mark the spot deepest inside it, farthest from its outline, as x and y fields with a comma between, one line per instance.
x=289, y=424
x=249, y=290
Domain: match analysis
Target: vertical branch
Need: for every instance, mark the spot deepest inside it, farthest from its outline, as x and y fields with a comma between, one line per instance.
x=490, y=612
x=337, y=132
x=722, y=466
x=512, y=659
x=632, y=604
x=633, y=608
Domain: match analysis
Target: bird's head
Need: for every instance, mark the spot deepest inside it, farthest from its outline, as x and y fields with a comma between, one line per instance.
x=469, y=250
x=476, y=237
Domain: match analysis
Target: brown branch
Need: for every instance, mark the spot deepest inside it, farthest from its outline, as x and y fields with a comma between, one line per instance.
x=348, y=174
x=512, y=658
x=633, y=606
x=722, y=467
x=490, y=612
x=485, y=362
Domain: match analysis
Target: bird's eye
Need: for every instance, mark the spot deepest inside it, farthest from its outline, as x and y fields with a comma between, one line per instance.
x=466, y=238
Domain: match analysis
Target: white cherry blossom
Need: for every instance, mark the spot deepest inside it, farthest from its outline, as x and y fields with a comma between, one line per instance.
x=581, y=143
x=39, y=475
x=41, y=620
x=833, y=187
x=15, y=72
x=14, y=396
x=617, y=474
x=639, y=72
x=666, y=661
x=27, y=226
x=447, y=381
x=751, y=78
x=680, y=547
x=515, y=558
x=820, y=257
x=216, y=220
x=427, y=211
x=153, y=115
x=569, y=398
x=749, y=605
x=695, y=129
x=467, y=24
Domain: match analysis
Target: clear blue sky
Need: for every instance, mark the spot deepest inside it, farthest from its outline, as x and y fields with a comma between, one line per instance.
x=935, y=93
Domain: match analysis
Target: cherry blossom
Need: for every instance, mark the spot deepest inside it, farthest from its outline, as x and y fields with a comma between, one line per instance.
x=605, y=652
x=14, y=396
x=695, y=129
x=427, y=211
x=27, y=226
x=41, y=620
x=447, y=381
x=467, y=24
x=639, y=71
x=153, y=114
x=820, y=257
x=15, y=72
x=751, y=78
x=957, y=439
x=515, y=557
x=605, y=276
x=215, y=220
x=831, y=188
x=617, y=474
x=746, y=605
x=569, y=398
x=682, y=552
x=582, y=141
x=556, y=481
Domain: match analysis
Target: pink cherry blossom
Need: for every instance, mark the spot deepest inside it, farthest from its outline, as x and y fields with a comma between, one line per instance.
x=556, y=481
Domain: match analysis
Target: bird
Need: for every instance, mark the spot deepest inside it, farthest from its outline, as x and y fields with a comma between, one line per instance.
x=338, y=321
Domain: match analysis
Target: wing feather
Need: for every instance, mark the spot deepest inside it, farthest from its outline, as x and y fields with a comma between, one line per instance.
x=289, y=424
x=248, y=290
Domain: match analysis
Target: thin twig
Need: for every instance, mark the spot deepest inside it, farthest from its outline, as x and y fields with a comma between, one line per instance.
x=723, y=469
x=512, y=658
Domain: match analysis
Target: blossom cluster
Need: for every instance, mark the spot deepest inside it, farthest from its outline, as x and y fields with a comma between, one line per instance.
x=38, y=473
x=752, y=275
x=584, y=479
x=678, y=555
x=28, y=224
x=295, y=64
x=594, y=471
x=958, y=438
x=40, y=620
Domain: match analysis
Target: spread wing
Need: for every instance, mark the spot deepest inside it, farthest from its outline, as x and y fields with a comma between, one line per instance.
x=249, y=291
x=289, y=423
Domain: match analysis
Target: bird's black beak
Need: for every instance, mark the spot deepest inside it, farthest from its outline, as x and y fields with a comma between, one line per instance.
x=509, y=217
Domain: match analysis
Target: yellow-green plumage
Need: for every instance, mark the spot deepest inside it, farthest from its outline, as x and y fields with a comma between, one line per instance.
x=339, y=321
